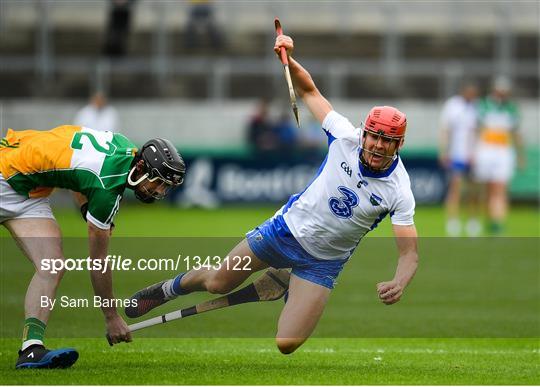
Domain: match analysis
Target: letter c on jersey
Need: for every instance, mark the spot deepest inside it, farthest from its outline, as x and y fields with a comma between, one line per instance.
x=342, y=206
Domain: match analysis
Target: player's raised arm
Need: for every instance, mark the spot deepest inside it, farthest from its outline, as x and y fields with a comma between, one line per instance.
x=303, y=83
x=391, y=291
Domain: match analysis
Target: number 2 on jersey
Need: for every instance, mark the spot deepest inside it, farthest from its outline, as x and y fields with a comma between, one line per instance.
x=342, y=206
x=76, y=143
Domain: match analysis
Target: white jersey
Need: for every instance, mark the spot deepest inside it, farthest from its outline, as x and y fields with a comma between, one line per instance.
x=460, y=118
x=345, y=200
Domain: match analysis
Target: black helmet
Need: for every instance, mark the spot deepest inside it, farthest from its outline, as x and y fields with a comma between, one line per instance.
x=161, y=162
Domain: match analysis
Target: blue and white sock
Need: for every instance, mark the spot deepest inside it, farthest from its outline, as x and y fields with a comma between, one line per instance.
x=172, y=288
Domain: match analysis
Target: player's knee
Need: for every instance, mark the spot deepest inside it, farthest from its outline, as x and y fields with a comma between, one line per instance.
x=52, y=275
x=287, y=345
x=51, y=278
x=218, y=286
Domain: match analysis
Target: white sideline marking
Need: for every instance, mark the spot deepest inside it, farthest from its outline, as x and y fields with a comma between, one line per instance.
x=424, y=351
x=344, y=351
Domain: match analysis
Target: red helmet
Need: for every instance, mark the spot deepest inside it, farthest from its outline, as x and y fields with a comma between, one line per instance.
x=387, y=121
x=386, y=126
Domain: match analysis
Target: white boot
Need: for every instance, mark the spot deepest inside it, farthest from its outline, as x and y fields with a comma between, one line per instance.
x=473, y=227
x=453, y=227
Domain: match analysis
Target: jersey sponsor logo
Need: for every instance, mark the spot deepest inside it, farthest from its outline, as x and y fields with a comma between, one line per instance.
x=375, y=200
x=342, y=206
x=346, y=168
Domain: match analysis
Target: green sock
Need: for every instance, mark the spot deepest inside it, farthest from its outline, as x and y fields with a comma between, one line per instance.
x=496, y=228
x=34, y=330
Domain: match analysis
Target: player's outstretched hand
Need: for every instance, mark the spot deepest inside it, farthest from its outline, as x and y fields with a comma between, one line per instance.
x=284, y=41
x=117, y=329
x=389, y=292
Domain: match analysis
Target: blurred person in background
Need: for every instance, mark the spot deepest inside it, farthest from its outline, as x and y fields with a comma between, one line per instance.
x=285, y=130
x=260, y=136
x=98, y=115
x=118, y=27
x=498, y=143
x=313, y=136
x=312, y=140
x=201, y=23
x=458, y=136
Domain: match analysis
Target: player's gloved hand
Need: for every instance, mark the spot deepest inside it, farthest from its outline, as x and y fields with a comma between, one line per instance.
x=117, y=329
x=389, y=292
x=284, y=41
x=84, y=211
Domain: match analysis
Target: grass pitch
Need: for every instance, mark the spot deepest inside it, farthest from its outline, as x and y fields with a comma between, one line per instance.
x=471, y=316
x=320, y=361
x=164, y=221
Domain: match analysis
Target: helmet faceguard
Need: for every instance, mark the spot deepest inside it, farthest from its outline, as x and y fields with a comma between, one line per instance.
x=382, y=136
x=162, y=170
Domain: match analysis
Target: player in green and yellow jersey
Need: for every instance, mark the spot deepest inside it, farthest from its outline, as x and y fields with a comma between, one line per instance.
x=98, y=166
x=498, y=148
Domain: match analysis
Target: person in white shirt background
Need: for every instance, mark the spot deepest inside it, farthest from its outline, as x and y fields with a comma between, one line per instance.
x=459, y=120
x=98, y=115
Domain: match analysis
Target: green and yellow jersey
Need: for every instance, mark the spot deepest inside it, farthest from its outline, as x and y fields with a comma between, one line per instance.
x=497, y=121
x=91, y=162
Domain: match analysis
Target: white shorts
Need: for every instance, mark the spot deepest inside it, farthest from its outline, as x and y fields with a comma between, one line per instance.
x=16, y=206
x=493, y=163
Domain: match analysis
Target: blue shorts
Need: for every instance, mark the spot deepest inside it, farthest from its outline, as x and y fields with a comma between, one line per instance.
x=273, y=243
x=457, y=166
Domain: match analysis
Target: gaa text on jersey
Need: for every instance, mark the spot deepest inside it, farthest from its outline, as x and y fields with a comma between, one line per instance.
x=346, y=168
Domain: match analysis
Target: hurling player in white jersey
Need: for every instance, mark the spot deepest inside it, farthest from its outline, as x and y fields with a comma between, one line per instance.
x=459, y=121
x=360, y=182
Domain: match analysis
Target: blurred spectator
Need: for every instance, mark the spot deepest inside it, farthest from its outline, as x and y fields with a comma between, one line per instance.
x=261, y=137
x=312, y=135
x=312, y=140
x=201, y=22
x=98, y=115
x=285, y=130
x=495, y=154
x=458, y=136
x=118, y=27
